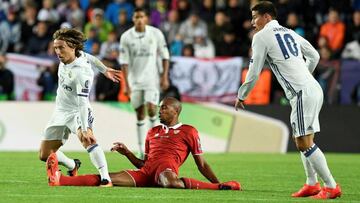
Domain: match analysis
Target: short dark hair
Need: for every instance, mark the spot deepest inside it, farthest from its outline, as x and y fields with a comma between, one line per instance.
x=265, y=7
x=74, y=39
x=141, y=9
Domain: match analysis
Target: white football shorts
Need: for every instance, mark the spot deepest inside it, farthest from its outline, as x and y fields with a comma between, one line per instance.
x=305, y=109
x=141, y=97
x=61, y=124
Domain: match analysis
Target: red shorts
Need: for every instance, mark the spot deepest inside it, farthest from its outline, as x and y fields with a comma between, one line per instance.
x=148, y=176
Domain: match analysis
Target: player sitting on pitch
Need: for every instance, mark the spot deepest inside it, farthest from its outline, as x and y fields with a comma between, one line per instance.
x=166, y=149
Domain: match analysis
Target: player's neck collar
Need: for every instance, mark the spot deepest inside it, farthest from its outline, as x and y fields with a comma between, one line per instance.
x=167, y=128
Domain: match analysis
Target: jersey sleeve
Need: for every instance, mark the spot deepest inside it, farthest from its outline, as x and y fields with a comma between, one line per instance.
x=259, y=50
x=124, y=56
x=162, y=48
x=83, y=85
x=311, y=55
x=95, y=62
x=193, y=141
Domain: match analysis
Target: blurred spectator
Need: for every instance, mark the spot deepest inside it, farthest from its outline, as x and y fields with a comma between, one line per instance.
x=108, y=46
x=39, y=41
x=99, y=25
x=292, y=22
x=142, y=4
x=240, y=16
x=48, y=13
x=92, y=40
x=48, y=81
x=217, y=29
x=10, y=30
x=229, y=45
x=207, y=10
x=203, y=46
x=352, y=49
x=28, y=24
x=105, y=89
x=71, y=11
x=188, y=28
x=112, y=11
x=171, y=26
x=334, y=31
x=353, y=29
x=159, y=13
x=176, y=46
x=184, y=9
x=188, y=50
x=6, y=80
x=124, y=23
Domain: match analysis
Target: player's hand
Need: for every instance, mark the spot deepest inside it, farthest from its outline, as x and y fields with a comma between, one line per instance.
x=120, y=147
x=239, y=104
x=88, y=137
x=113, y=75
x=164, y=83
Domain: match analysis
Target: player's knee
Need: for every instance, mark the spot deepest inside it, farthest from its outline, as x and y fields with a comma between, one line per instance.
x=167, y=183
x=43, y=156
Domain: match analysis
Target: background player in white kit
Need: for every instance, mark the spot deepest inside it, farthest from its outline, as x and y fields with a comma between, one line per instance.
x=140, y=46
x=73, y=111
x=284, y=50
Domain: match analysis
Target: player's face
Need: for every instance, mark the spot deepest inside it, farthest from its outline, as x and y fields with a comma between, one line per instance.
x=167, y=112
x=65, y=53
x=258, y=21
x=139, y=19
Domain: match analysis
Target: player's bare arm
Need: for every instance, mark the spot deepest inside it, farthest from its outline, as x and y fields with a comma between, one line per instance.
x=111, y=74
x=122, y=149
x=205, y=169
x=164, y=80
x=125, y=68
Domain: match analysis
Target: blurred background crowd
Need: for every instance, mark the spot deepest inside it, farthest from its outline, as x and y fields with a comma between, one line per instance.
x=193, y=28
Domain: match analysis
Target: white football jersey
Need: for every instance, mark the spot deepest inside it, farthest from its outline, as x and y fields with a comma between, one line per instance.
x=284, y=50
x=139, y=50
x=75, y=80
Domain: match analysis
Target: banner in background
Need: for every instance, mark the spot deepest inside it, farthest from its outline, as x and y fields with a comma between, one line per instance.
x=26, y=71
x=206, y=80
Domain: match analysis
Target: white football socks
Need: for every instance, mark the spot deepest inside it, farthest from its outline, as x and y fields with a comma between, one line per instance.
x=64, y=160
x=141, y=133
x=98, y=159
x=317, y=159
x=153, y=121
x=311, y=176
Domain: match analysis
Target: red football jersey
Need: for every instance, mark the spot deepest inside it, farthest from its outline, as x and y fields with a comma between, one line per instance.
x=171, y=145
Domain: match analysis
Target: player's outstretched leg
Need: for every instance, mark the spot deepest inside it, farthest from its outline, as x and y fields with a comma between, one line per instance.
x=196, y=184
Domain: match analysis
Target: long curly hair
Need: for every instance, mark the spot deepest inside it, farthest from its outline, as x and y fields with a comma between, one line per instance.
x=74, y=39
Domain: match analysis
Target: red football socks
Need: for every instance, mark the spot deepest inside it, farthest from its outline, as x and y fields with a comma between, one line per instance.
x=196, y=184
x=83, y=180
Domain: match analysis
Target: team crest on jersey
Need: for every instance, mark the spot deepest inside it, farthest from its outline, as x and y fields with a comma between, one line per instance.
x=156, y=135
x=176, y=131
x=87, y=84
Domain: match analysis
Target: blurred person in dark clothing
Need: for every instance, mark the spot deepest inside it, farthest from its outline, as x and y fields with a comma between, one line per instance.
x=48, y=81
x=105, y=89
x=6, y=80
x=39, y=42
x=230, y=46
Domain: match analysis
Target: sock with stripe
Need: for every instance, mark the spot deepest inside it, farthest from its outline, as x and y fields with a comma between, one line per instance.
x=317, y=159
x=153, y=121
x=64, y=160
x=141, y=132
x=311, y=176
x=197, y=184
x=98, y=159
x=83, y=180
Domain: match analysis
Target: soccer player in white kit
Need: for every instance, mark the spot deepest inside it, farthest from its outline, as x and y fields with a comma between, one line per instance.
x=140, y=47
x=284, y=50
x=73, y=112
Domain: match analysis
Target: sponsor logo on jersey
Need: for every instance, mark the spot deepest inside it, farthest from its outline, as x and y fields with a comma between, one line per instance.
x=85, y=90
x=66, y=87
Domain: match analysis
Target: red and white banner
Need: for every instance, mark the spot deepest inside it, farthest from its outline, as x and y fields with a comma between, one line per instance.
x=206, y=80
x=26, y=72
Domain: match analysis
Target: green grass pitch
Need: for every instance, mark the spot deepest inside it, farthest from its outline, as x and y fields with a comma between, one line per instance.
x=264, y=177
